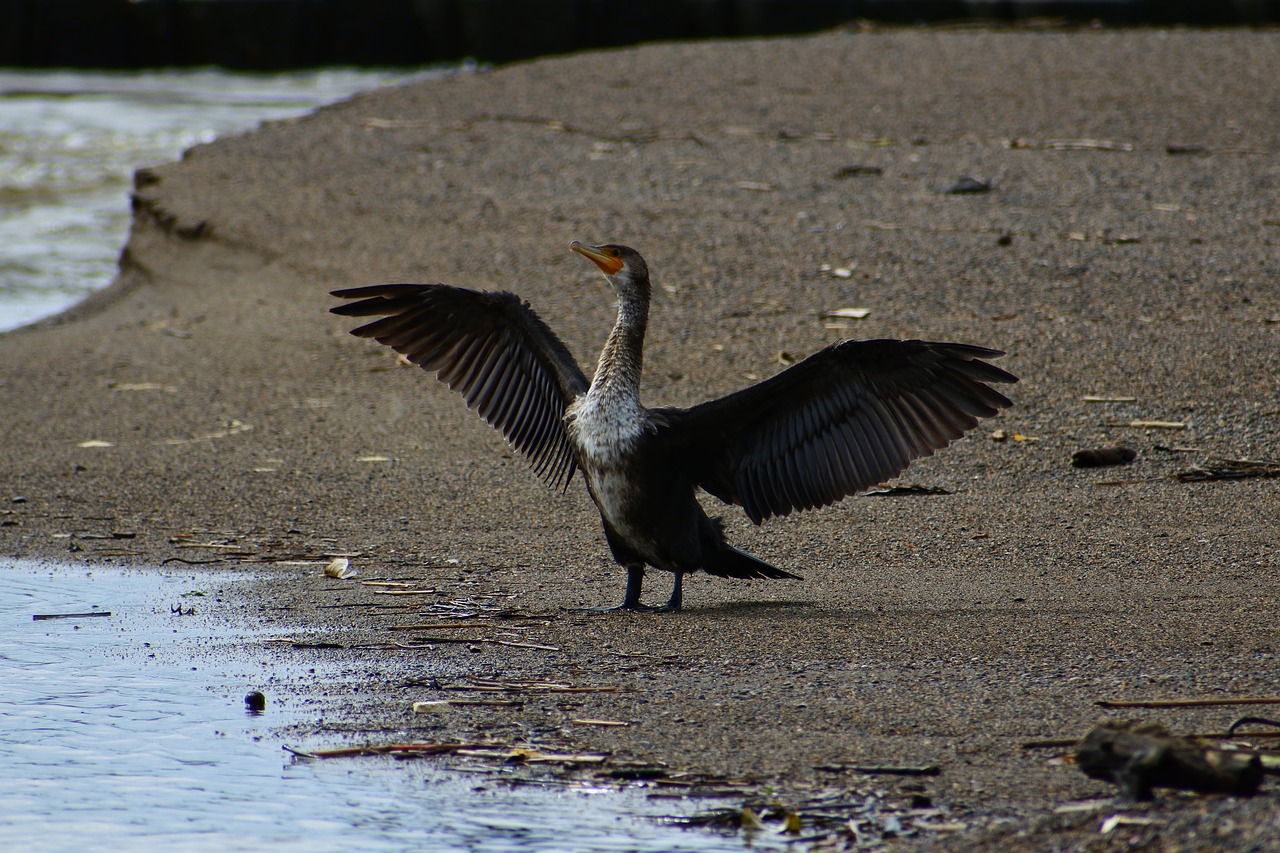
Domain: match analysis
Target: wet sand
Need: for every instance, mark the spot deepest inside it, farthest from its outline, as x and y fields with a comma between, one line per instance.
x=1127, y=251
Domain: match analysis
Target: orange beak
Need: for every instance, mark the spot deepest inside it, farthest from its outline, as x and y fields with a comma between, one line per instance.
x=599, y=255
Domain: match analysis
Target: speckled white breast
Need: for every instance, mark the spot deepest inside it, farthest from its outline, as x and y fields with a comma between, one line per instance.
x=605, y=429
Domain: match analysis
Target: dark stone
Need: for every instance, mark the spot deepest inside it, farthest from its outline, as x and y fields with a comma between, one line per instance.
x=858, y=171
x=967, y=185
x=1097, y=457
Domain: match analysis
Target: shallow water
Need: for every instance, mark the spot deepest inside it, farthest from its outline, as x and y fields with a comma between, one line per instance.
x=130, y=732
x=71, y=141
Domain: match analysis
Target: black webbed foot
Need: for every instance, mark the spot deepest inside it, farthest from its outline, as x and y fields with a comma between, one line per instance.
x=631, y=600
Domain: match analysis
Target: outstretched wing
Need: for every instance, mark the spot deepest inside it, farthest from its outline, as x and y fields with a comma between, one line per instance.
x=853, y=415
x=491, y=348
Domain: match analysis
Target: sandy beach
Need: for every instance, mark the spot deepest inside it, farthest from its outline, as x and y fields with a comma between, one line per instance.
x=1126, y=257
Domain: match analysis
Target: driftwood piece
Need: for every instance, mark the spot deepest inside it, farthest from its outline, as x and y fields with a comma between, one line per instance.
x=1140, y=757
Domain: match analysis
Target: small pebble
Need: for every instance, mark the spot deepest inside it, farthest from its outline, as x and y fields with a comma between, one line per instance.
x=968, y=184
x=858, y=171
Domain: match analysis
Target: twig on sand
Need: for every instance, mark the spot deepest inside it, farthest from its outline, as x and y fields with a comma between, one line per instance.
x=1071, y=144
x=1146, y=424
x=424, y=642
x=433, y=626
x=884, y=769
x=485, y=685
x=384, y=749
x=1253, y=721
x=508, y=754
x=1188, y=703
x=1228, y=469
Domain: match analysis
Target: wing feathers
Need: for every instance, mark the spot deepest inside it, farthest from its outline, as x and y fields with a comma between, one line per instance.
x=481, y=396
x=489, y=347
x=843, y=420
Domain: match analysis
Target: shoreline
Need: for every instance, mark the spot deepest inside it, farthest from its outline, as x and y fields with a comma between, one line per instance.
x=237, y=413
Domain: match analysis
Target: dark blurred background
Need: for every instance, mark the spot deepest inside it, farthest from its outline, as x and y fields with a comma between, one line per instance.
x=288, y=34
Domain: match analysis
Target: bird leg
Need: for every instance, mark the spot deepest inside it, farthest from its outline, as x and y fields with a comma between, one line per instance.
x=677, y=596
x=631, y=598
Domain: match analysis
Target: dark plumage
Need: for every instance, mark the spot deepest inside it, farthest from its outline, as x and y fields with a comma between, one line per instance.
x=849, y=417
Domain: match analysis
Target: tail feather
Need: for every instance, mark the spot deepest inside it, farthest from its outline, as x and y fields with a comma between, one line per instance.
x=729, y=562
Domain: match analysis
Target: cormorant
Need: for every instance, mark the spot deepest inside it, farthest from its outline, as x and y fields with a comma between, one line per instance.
x=849, y=417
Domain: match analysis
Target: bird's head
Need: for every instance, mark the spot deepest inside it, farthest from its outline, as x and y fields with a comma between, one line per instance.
x=621, y=265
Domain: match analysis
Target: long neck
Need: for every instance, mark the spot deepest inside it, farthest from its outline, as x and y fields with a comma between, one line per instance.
x=618, y=371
